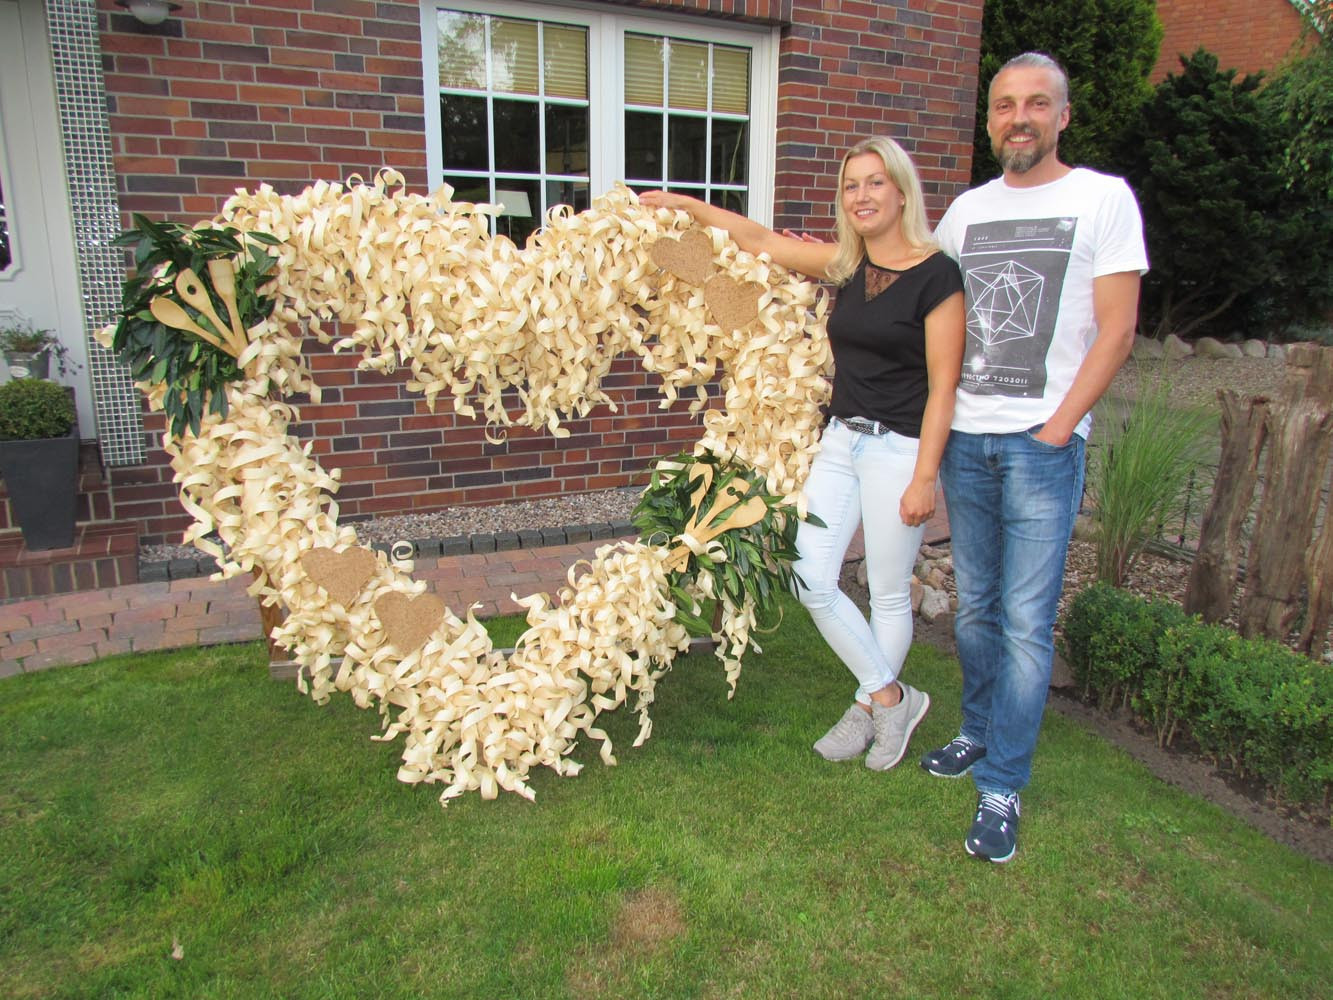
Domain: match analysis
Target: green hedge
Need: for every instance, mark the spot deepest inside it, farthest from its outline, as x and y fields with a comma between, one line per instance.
x=1253, y=703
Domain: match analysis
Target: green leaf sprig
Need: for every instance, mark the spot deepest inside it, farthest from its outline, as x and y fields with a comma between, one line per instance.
x=758, y=564
x=194, y=371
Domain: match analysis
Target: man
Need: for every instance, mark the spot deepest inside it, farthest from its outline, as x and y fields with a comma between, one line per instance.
x=1051, y=259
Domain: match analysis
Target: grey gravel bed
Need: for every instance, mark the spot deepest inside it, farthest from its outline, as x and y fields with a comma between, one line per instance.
x=1195, y=381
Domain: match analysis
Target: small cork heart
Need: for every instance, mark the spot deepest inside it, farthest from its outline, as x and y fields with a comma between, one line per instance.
x=341, y=574
x=732, y=304
x=689, y=258
x=409, y=621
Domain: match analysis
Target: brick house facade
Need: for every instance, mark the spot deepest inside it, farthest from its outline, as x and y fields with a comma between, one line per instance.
x=224, y=95
x=1247, y=35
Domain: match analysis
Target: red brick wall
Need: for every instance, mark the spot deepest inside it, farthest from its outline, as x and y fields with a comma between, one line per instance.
x=851, y=70
x=225, y=95
x=1248, y=35
x=222, y=95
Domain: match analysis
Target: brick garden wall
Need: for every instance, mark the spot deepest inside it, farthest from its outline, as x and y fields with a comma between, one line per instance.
x=225, y=95
x=1248, y=35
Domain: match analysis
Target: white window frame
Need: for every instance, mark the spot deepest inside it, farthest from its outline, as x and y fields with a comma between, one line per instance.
x=606, y=84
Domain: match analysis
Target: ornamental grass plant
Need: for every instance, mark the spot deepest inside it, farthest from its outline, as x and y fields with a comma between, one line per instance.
x=1145, y=453
x=178, y=825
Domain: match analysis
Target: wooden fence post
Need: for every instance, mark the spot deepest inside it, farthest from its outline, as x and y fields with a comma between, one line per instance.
x=1298, y=434
x=1319, y=588
x=1213, y=576
x=1310, y=374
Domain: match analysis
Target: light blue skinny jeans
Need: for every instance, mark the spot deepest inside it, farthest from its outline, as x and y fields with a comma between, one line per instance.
x=1012, y=501
x=859, y=479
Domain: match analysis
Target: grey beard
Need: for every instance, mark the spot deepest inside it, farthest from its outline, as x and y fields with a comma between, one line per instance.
x=1019, y=161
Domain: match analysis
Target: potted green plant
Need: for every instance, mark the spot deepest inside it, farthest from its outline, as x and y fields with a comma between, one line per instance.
x=29, y=351
x=39, y=460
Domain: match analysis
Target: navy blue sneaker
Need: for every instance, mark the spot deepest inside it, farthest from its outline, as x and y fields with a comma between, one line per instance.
x=955, y=759
x=994, y=833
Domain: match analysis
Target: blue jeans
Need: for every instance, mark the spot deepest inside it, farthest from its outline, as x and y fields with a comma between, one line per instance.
x=1012, y=501
x=857, y=479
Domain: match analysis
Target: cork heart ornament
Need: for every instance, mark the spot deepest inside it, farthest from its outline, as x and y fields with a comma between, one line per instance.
x=409, y=621
x=341, y=574
x=732, y=304
x=689, y=258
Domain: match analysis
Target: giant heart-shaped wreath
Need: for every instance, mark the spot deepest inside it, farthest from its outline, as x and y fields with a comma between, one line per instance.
x=212, y=328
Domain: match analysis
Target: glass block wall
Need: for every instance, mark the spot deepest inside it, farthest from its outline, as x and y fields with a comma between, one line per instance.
x=81, y=104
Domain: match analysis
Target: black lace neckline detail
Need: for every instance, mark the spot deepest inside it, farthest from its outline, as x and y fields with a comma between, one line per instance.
x=879, y=279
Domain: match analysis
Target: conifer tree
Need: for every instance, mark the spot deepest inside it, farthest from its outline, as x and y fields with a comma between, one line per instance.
x=1299, y=100
x=1205, y=168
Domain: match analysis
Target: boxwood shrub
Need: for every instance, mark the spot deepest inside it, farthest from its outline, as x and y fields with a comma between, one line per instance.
x=1253, y=703
x=1266, y=710
x=1110, y=640
x=32, y=408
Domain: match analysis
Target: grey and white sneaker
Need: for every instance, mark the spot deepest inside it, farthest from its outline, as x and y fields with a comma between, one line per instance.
x=893, y=727
x=850, y=736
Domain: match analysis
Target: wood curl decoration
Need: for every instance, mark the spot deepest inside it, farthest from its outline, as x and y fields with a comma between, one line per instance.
x=419, y=283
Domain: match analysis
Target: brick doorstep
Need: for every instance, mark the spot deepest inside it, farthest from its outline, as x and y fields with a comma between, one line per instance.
x=103, y=556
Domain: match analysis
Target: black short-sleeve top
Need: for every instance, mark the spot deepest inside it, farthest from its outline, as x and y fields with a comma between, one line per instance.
x=879, y=344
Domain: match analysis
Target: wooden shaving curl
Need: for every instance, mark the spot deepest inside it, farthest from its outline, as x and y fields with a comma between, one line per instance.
x=420, y=283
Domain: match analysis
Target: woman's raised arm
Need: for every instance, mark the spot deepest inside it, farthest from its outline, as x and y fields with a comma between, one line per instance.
x=810, y=259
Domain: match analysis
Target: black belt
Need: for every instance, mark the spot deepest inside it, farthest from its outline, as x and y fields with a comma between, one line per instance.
x=863, y=426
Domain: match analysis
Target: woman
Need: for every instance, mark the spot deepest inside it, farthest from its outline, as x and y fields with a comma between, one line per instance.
x=896, y=332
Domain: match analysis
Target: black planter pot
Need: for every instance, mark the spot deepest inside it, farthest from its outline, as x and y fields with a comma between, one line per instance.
x=42, y=478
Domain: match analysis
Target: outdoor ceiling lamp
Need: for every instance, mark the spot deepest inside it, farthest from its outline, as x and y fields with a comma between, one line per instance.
x=149, y=11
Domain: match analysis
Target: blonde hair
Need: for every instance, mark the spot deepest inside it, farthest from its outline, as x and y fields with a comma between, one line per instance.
x=913, y=226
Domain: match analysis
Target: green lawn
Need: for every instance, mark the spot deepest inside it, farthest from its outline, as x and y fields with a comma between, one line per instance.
x=185, y=798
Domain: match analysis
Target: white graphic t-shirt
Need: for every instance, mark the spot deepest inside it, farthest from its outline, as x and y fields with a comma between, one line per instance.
x=1028, y=257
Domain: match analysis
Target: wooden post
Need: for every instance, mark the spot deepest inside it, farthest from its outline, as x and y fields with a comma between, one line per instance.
x=1299, y=434
x=270, y=617
x=1213, y=576
x=1309, y=373
x=1319, y=587
x=1310, y=376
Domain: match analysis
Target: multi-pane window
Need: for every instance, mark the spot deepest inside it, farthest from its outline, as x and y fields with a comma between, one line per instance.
x=542, y=105
x=514, y=115
x=687, y=118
